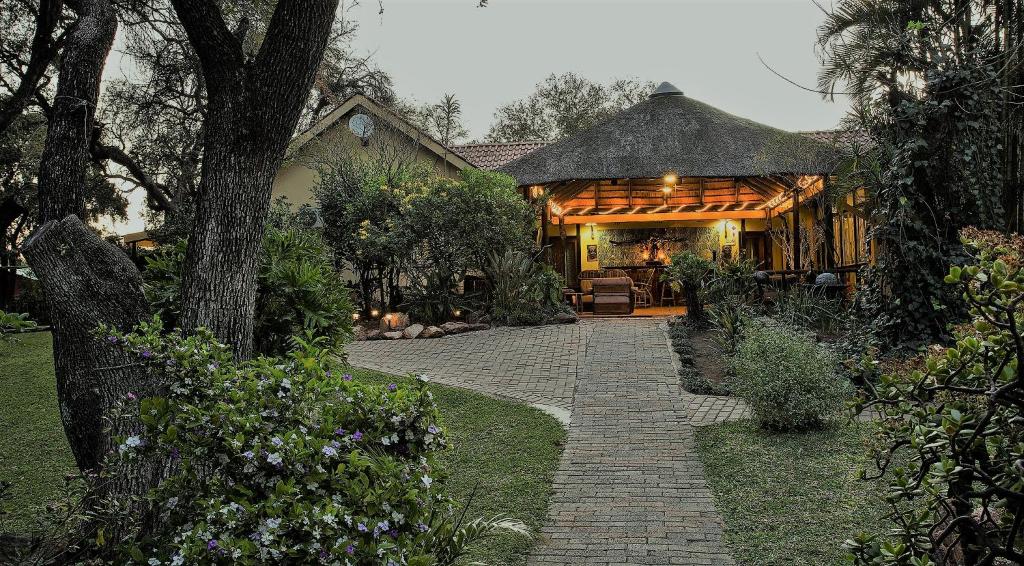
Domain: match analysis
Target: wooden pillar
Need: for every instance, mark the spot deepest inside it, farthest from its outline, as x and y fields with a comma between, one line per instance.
x=856, y=229
x=830, y=227
x=740, y=245
x=796, y=228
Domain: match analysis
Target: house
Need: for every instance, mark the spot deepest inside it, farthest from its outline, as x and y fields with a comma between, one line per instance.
x=362, y=128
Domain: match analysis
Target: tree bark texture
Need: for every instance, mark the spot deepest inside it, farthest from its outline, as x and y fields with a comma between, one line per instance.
x=88, y=281
x=253, y=108
x=66, y=150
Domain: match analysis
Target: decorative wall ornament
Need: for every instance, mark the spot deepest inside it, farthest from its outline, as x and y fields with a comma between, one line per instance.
x=640, y=246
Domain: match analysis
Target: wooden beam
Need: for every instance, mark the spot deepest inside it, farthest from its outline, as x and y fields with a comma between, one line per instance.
x=663, y=216
x=796, y=228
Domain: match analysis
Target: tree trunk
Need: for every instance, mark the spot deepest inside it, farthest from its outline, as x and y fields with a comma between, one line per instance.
x=87, y=282
x=253, y=107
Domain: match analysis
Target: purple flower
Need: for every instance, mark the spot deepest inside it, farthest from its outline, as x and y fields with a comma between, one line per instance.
x=432, y=429
x=393, y=533
x=131, y=396
x=357, y=435
x=324, y=555
x=112, y=339
x=212, y=544
x=361, y=527
x=175, y=454
x=248, y=455
x=335, y=444
x=347, y=377
x=340, y=432
x=392, y=387
x=383, y=525
x=327, y=373
x=146, y=354
x=329, y=451
x=276, y=441
x=423, y=527
x=350, y=549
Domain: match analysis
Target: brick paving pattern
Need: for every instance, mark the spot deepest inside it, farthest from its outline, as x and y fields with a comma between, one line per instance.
x=630, y=488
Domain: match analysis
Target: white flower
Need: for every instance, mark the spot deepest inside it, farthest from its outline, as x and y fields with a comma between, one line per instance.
x=273, y=523
x=132, y=442
x=427, y=481
x=154, y=562
x=274, y=459
x=385, y=441
x=423, y=377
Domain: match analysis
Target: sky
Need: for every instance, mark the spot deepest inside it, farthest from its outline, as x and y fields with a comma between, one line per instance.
x=708, y=48
x=491, y=56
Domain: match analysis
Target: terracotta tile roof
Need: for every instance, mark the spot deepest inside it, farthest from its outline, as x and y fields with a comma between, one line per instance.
x=491, y=156
x=843, y=139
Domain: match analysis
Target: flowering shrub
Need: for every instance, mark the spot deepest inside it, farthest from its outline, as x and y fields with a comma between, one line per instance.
x=286, y=460
x=790, y=381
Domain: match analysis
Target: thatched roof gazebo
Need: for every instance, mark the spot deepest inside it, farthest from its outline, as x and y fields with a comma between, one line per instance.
x=671, y=158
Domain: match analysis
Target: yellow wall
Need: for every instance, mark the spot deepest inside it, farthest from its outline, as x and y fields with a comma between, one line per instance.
x=300, y=172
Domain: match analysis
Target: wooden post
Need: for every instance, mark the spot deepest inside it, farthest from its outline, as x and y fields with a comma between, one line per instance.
x=743, y=239
x=796, y=228
x=700, y=190
x=830, y=228
x=856, y=229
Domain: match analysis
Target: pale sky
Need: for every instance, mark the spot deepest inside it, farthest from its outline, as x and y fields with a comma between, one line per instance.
x=490, y=56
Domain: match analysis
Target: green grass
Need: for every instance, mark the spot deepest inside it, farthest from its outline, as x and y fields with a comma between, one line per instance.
x=790, y=498
x=505, y=452
x=34, y=453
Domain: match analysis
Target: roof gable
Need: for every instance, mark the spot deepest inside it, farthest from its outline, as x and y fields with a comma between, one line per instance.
x=390, y=117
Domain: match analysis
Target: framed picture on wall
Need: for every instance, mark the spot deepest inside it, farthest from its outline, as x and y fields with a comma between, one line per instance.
x=592, y=252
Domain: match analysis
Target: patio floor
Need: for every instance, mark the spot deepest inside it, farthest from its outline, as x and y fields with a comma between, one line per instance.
x=630, y=488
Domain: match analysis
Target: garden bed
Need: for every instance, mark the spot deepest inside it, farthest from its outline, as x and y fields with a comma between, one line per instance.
x=34, y=454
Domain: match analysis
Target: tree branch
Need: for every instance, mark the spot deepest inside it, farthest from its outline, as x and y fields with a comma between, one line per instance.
x=220, y=52
x=44, y=49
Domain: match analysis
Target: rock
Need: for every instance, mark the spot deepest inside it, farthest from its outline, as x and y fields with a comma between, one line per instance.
x=431, y=332
x=393, y=335
x=762, y=277
x=826, y=279
x=566, y=318
x=479, y=326
x=359, y=334
x=374, y=335
x=413, y=331
x=394, y=321
x=455, y=327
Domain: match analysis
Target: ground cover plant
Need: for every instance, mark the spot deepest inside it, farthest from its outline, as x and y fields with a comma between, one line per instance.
x=475, y=426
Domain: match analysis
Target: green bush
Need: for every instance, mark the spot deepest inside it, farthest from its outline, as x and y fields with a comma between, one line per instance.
x=691, y=273
x=299, y=289
x=432, y=296
x=789, y=380
x=284, y=460
x=522, y=291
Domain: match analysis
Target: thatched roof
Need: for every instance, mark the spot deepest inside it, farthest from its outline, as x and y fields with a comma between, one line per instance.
x=670, y=132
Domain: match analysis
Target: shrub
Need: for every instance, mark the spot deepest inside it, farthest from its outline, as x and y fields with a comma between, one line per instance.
x=789, y=380
x=951, y=434
x=690, y=272
x=12, y=322
x=523, y=291
x=432, y=296
x=298, y=289
x=286, y=460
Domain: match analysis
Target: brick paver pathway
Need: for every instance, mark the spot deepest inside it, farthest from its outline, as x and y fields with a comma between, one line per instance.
x=630, y=488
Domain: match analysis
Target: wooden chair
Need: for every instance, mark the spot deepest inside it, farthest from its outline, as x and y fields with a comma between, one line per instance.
x=644, y=288
x=668, y=293
x=615, y=273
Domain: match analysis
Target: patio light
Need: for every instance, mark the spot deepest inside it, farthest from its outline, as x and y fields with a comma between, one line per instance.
x=375, y=313
x=591, y=224
x=355, y=316
x=671, y=179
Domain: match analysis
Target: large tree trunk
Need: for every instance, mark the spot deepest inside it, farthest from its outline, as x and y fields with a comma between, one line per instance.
x=253, y=108
x=86, y=281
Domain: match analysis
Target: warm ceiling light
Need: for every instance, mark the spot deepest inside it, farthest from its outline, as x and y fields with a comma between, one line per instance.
x=671, y=178
x=556, y=210
x=591, y=224
x=667, y=189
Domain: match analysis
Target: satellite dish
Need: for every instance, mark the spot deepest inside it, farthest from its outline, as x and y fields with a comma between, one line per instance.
x=362, y=126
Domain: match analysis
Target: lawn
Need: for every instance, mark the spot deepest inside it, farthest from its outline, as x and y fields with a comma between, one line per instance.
x=503, y=452
x=790, y=498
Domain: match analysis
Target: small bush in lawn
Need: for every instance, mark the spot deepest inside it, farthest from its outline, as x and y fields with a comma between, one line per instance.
x=285, y=460
x=789, y=380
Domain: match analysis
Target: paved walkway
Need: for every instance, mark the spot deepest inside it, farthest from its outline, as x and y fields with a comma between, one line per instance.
x=630, y=488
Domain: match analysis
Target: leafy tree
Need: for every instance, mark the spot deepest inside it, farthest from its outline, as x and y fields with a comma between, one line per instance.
x=928, y=78
x=951, y=436
x=563, y=105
